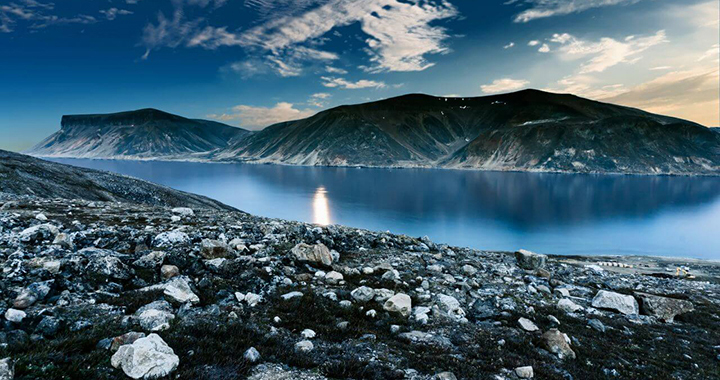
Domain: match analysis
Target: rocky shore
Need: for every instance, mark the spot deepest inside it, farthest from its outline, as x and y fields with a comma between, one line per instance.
x=112, y=290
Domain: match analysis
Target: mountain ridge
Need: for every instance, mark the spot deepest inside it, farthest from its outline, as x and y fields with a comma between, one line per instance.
x=528, y=130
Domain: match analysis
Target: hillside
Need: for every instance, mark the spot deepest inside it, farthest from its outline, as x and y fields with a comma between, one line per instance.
x=146, y=133
x=528, y=130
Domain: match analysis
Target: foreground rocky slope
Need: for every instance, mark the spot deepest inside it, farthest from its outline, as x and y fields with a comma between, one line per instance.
x=23, y=175
x=528, y=130
x=110, y=290
x=141, y=134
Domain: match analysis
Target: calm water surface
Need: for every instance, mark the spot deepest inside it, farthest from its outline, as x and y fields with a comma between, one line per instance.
x=548, y=213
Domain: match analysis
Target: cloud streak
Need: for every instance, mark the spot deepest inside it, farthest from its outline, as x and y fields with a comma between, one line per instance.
x=550, y=8
x=257, y=118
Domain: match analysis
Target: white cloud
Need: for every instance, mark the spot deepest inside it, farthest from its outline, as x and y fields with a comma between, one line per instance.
x=335, y=70
x=319, y=99
x=400, y=34
x=690, y=94
x=112, y=13
x=549, y=8
x=607, y=52
x=713, y=52
x=37, y=14
x=508, y=46
x=534, y=43
x=257, y=118
x=504, y=85
x=544, y=48
x=333, y=82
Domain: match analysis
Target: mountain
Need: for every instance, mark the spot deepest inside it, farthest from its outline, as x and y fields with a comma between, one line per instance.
x=528, y=130
x=143, y=134
x=25, y=175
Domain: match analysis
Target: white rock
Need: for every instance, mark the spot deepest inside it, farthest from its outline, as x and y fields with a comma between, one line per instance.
x=252, y=355
x=252, y=299
x=333, y=277
x=469, y=269
x=291, y=295
x=146, y=358
x=528, y=325
x=41, y=217
x=169, y=238
x=155, y=319
x=184, y=211
x=317, y=253
x=450, y=305
x=568, y=306
x=363, y=294
x=524, y=372
x=179, y=290
x=371, y=313
x=368, y=270
x=304, y=346
x=622, y=303
x=382, y=295
x=399, y=303
x=40, y=231
x=308, y=334
x=7, y=369
x=15, y=315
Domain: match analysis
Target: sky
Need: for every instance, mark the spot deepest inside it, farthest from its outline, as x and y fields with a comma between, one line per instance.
x=252, y=63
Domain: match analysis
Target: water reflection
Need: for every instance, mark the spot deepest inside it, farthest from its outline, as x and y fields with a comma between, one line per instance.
x=321, y=210
x=549, y=213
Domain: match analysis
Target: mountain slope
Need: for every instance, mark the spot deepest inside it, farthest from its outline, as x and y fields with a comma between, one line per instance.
x=527, y=130
x=25, y=175
x=146, y=133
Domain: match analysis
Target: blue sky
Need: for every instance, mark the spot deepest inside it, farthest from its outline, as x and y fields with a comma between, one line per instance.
x=252, y=63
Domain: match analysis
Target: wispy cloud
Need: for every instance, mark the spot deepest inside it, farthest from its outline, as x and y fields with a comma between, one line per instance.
x=257, y=118
x=37, y=15
x=508, y=46
x=504, y=85
x=333, y=82
x=112, y=13
x=319, y=99
x=549, y=8
x=607, y=52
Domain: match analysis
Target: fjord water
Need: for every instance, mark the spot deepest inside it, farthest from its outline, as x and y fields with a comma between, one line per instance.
x=549, y=213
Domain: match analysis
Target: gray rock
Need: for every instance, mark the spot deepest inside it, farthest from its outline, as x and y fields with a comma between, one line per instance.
x=558, y=343
x=214, y=249
x=252, y=355
x=333, y=277
x=528, y=325
x=420, y=337
x=178, y=289
x=104, y=264
x=169, y=271
x=363, y=294
x=664, y=308
x=451, y=306
x=304, y=346
x=530, y=260
x=568, y=306
x=146, y=358
x=280, y=372
x=14, y=315
x=127, y=338
x=615, y=301
x=7, y=369
x=597, y=325
x=154, y=319
x=183, y=211
x=64, y=240
x=48, y=326
x=291, y=295
x=38, y=233
x=170, y=238
x=317, y=253
x=151, y=260
x=445, y=376
x=399, y=303
x=524, y=372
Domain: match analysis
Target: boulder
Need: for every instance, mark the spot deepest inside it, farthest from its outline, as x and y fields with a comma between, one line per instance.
x=399, y=303
x=214, y=249
x=151, y=260
x=528, y=325
x=169, y=271
x=170, y=238
x=146, y=358
x=39, y=233
x=317, y=253
x=48, y=326
x=524, y=372
x=333, y=277
x=363, y=294
x=178, y=289
x=530, y=260
x=155, y=316
x=304, y=346
x=451, y=306
x=663, y=308
x=615, y=301
x=7, y=369
x=558, y=343
x=104, y=264
x=183, y=211
x=568, y=306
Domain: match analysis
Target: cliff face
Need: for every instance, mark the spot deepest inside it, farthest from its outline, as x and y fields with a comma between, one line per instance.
x=528, y=130
x=146, y=133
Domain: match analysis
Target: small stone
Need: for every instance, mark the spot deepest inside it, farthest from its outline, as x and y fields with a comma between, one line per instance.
x=14, y=315
x=557, y=343
x=394, y=329
x=7, y=369
x=64, y=240
x=308, y=334
x=170, y=238
x=52, y=266
x=445, y=376
x=524, y=372
x=252, y=355
x=155, y=319
x=146, y=358
x=48, y=326
x=41, y=217
x=597, y=325
x=399, y=303
x=371, y=313
x=615, y=301
x=169, y=271
x=333, y=277
x=530, y=260
x=151, y=260
x=252, y=299
x=363, y=294
x=25, y=299
x=179, y=290
x=528, y=325
x=568, y=306
x=391, y=275
x=304, y=346
x=214, y=249
x=291, y=295
x=183, y=211
x=127, y=338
